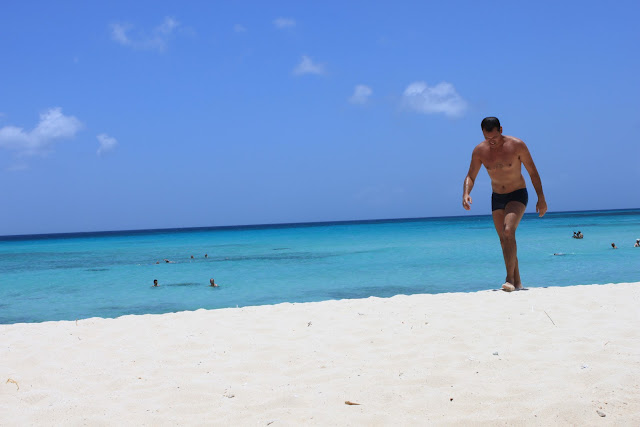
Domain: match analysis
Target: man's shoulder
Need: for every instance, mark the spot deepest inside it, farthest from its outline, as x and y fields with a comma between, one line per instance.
x=515, y=144
x=481, y=148
x=513, y=140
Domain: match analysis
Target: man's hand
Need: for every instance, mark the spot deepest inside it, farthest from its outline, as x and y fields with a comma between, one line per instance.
x=466, y=202
x=541, y=207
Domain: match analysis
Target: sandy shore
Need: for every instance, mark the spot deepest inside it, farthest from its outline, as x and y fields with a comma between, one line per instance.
x=554, y=356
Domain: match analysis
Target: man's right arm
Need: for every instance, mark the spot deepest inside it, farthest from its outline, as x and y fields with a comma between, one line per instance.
x=470, y=179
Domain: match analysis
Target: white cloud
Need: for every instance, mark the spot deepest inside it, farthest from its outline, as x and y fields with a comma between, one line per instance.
x=107, y=143
x=239, y=28
x=119, y=33
x=168, y=25
x=306, y=66
x=18, y=167
x=53, y=126
x=282, y=23
x=361, y=94
x=157, y=39
x=441, y=98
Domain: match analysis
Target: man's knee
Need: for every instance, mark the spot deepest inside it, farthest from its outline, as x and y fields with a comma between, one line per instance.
x=508, y=233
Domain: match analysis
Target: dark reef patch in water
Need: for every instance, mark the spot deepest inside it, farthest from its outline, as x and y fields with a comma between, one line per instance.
x=184, y=284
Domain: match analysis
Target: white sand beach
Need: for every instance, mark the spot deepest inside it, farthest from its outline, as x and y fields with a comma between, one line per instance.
x=545, y=356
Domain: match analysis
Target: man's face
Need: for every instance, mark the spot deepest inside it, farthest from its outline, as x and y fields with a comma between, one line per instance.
x=493, y=137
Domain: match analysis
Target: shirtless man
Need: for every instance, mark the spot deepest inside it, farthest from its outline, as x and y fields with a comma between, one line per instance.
x=503, y=157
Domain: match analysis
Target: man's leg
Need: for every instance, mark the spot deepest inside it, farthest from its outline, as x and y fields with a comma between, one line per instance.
x=498, y=223
x=506, y=221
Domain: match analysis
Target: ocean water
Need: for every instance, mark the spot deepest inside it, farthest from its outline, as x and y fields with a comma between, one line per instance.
x=68, y=277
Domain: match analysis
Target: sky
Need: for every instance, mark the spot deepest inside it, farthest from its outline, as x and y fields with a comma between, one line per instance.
x=126, y=115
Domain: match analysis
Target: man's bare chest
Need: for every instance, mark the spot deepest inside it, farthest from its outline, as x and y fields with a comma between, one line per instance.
x=501, y=161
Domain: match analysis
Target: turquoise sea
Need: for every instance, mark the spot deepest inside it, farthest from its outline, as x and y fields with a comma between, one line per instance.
x=109, y=274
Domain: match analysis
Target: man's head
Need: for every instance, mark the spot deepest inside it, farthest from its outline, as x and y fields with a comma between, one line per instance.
x=155, y=282
x=490, y=123
x=492, y=130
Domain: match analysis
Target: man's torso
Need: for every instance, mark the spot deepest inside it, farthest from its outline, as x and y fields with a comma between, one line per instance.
x=503, y=165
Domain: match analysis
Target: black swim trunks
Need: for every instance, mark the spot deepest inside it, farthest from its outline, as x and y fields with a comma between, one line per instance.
x=499, y=201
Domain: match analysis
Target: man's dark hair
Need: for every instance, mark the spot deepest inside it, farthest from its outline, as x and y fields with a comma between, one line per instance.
x=490, y=123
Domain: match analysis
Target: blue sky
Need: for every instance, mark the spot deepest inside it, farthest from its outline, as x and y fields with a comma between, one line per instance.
x=176, y=114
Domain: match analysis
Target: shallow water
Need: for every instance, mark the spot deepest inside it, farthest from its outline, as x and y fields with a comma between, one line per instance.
x=66, y=277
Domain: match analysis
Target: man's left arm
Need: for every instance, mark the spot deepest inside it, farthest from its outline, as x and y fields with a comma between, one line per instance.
x=527, y=160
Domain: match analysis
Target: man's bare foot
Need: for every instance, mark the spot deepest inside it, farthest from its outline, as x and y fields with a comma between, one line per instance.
x=518, y=287
x=508, y=287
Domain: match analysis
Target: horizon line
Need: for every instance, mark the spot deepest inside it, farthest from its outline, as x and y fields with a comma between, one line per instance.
x=73, y=234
